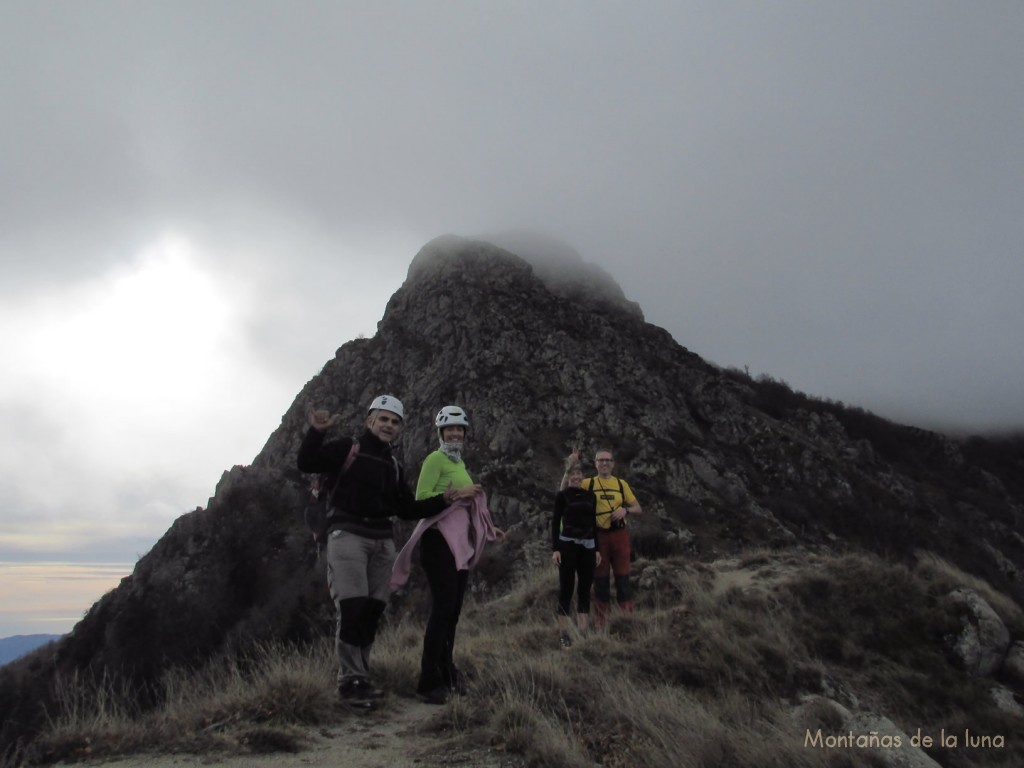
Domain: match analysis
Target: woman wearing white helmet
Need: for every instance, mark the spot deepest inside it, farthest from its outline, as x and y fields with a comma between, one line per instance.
x=450, y=544
x=368, y=489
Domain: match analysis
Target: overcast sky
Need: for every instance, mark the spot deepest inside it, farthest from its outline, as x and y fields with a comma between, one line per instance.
x=200, y=201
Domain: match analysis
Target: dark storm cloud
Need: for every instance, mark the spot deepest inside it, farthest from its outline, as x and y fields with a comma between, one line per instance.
x=827, y=193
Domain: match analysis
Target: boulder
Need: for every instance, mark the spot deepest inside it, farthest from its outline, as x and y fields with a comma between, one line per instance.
x=1013, y=664
x=983, y=640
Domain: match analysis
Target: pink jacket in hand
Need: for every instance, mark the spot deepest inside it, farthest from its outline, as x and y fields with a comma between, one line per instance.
x=466, y=526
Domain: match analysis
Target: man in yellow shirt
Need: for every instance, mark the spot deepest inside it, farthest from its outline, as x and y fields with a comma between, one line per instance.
x=615, y=502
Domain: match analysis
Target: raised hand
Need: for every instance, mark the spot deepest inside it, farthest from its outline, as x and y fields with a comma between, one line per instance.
x=321, y=420
x=574, y=457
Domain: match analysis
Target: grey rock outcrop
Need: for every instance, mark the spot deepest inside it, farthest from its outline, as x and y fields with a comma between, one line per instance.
x=1013, y=665
x=1007, y=700
x=983, y=641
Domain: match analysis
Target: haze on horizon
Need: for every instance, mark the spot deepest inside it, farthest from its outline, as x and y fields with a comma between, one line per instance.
x=202, y=201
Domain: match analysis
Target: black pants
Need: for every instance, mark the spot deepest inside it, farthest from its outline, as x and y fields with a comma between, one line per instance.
x=447, y=589
x=575, y=572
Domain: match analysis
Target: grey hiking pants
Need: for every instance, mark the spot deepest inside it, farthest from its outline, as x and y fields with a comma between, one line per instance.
x=358, y=574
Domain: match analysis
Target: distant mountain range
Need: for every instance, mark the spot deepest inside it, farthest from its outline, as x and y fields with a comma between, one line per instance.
x=15, y=647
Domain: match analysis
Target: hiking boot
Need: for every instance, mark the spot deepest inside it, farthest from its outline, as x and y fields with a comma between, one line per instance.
x=439, y=695
x=366, y=689
x=350, y=695
x=564, y=641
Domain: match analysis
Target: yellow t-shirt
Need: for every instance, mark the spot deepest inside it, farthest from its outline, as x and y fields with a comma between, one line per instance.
x=611, y=493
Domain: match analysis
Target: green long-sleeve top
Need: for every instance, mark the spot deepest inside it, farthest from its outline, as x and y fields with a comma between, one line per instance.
x=437, y=472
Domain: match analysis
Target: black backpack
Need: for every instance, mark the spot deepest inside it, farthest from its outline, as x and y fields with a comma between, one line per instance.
x=578, y=521
x=317, y=506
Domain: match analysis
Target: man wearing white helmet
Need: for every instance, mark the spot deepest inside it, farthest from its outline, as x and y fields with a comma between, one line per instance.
x=368, y=489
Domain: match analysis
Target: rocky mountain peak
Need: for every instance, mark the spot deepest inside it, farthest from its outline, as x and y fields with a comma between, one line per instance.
x=452, y=256
x=505, y=258
x=545, y=353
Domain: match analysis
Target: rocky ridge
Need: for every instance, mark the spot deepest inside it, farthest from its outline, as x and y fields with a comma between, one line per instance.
x=544, y=358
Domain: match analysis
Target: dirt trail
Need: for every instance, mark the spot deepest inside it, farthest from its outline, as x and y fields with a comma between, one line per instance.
x=730, y=573
x=391, y=737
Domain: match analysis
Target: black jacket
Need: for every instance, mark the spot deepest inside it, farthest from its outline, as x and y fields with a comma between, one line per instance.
x=371, y=491
x=575, y=515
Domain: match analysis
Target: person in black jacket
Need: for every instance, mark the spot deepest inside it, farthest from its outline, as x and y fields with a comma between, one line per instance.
x=574, y=545
x=368, y=489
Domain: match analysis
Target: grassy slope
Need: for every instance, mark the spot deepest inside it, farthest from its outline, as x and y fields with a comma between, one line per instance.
x=709, y=672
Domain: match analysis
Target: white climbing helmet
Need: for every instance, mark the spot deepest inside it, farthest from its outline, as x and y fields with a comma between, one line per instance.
x=387, y=403
x=451, y=416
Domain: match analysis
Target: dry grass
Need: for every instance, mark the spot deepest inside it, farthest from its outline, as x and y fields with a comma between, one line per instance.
x=243, y=702
x=696, y=678
x=933, y=568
